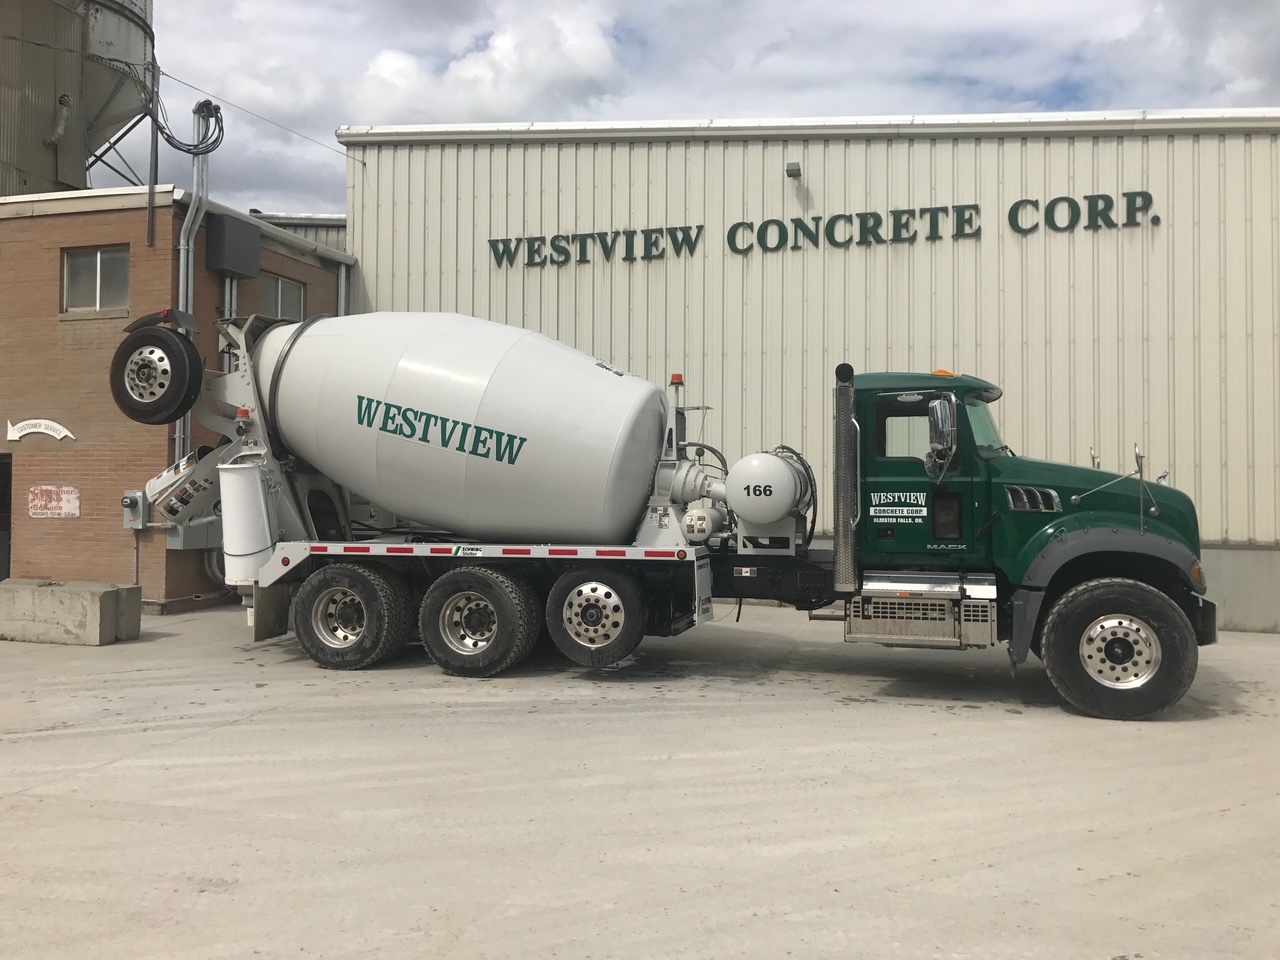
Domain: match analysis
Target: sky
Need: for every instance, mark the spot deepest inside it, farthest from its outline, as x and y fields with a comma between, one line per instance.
x=314, y=65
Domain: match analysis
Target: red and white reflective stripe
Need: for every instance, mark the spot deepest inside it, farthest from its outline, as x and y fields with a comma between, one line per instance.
x=490, y=550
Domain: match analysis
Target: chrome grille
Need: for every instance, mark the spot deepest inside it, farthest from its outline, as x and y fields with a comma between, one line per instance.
x=1033, y=499
x=886, y=609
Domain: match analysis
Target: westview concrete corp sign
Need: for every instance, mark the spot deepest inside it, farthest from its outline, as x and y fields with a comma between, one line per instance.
x=962, y=221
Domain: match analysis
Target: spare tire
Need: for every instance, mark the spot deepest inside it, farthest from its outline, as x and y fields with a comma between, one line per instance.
x=156, y=375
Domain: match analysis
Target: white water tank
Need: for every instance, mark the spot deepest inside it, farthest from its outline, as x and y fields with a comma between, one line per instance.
x=473, y=427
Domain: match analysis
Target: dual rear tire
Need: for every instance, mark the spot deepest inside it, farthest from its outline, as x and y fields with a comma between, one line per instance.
x=349, y=616
x=473, y=621
x=478, y=622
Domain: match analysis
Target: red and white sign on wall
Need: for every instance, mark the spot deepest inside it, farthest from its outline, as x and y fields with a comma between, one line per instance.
x=47, y=502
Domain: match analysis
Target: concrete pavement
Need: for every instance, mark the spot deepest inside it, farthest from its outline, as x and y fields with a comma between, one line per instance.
x=749, y=790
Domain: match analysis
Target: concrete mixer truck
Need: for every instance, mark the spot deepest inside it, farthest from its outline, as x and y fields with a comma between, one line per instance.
x=522, y=488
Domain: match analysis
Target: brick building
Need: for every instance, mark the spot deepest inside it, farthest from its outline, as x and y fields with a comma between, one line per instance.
x=76, y=268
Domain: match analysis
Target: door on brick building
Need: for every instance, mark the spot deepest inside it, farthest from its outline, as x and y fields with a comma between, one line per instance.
x=6, y=511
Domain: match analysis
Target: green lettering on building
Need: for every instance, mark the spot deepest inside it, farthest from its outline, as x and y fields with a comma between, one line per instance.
x=869, y=229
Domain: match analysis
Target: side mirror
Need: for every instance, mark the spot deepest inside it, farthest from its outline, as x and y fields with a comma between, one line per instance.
x=942, y=436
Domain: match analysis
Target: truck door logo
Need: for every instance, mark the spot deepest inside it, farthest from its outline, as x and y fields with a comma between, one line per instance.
x=899, y=507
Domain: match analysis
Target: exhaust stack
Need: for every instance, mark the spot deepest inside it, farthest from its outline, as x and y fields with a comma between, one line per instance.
x=845, y=470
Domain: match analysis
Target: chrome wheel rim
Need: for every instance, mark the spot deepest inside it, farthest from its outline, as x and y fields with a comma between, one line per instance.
x=148, y=374
x=468, y=623
x=1122, y=653
x=338, y=618
x=593, y=614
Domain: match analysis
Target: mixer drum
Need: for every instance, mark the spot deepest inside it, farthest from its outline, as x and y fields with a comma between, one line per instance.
x=469, y=426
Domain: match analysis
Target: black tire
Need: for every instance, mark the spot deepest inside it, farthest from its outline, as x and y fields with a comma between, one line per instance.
x=595, y=615
x=1119, y=649
x=477, y=622
x=348, y=616
x=156, y=375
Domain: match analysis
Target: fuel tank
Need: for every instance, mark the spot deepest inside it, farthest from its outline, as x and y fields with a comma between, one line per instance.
x=468, y=426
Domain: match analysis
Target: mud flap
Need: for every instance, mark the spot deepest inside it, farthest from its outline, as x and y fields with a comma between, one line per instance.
x=704, y=610
x=269, y=615
x=1206, y=623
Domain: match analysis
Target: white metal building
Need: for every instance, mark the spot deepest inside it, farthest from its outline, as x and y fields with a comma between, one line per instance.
x=1117, y=274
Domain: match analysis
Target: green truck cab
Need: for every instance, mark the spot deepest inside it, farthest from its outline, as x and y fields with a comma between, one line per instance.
x=1098, y=574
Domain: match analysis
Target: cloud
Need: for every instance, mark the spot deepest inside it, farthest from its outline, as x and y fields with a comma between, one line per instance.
x=523, y=59
x=313, y=65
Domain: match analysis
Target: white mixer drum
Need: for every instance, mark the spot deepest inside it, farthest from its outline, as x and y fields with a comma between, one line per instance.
x=469, y=426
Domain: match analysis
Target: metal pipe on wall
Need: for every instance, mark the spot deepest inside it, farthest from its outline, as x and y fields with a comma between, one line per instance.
x=230, y=306
x=200, y=123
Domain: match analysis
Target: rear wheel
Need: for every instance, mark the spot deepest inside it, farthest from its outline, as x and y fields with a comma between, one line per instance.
x=156, y=374
x=1119, y=649
x=348, y=616
x=477, y=622
x=595, y=615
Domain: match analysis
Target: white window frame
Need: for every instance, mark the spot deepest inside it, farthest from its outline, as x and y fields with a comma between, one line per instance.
x=68, y=252
x=277, y=282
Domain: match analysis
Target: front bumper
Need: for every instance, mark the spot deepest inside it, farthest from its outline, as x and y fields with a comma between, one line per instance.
x=1205, y=621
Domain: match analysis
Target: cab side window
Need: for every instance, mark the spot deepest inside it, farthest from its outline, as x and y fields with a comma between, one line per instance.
x=902, y=430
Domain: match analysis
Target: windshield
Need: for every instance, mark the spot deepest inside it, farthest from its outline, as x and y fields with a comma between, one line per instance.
x=986, y=436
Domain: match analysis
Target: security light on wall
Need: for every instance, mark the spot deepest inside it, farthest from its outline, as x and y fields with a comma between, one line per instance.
x=793, y=170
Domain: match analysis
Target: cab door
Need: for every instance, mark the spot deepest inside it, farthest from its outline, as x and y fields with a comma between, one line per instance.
x=908, y=519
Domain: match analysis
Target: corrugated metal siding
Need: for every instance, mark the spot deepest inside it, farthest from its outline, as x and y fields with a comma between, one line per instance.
x=1166, y=336
x=329, y=233
x=39, y=60
x=335, y=237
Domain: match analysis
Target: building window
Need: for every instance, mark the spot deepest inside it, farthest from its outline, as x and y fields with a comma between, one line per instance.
x=281, y=298
x=95, y=279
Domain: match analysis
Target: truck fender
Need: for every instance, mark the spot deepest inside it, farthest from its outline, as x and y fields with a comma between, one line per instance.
x=1028, y=597
x=179, y=318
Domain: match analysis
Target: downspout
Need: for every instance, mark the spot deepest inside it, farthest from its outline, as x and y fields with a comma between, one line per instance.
x=230, y=294
x=186, y=251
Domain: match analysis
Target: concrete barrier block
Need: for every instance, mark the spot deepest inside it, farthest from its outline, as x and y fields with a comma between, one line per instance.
x=41, y=611
x=128, y=613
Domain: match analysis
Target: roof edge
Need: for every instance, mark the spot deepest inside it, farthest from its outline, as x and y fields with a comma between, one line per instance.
x=279, y=234
x=98, y=200
x=106, y=199
x=1113, y=122
x=303, y=219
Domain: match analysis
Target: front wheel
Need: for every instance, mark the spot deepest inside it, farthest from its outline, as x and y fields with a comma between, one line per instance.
x=1119, y=649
